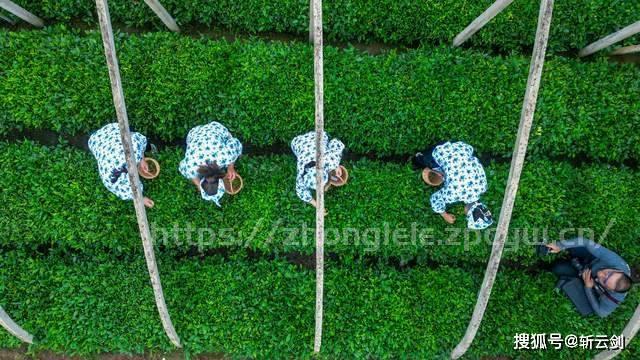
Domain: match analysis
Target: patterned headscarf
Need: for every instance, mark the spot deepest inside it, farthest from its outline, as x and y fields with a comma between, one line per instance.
x=212, y=197
x=479, y=217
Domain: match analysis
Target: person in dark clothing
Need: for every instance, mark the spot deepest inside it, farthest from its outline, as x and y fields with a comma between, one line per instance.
x=606, y=277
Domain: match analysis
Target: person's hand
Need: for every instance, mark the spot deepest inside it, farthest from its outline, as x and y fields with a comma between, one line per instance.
x=144, y=167
x=231, y=172
x=449, y=218
x=554, y=248
x=148, y=202
x=339, y=172
x=315, y=205
x=586, y=277
x=196, y=182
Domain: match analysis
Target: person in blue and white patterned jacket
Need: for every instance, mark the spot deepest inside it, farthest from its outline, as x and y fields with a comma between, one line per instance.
x=210, y=157
x=464, y=181
x=106, y=146
x=304, y=148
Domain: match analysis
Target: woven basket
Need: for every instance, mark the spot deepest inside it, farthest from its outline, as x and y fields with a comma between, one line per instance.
x=154, y=169
x=341, y=180
x=233, y=187
x=431, y=177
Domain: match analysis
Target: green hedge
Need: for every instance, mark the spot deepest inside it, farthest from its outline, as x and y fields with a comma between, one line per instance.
x=264, y=309
x=575, y=22
x=387, y=105
x=53, y=197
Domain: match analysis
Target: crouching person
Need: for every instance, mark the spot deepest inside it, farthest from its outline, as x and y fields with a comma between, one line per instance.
x=463, y=180
x=106, y=146
x=595, y=278
x=304, y=148
x=210, y=157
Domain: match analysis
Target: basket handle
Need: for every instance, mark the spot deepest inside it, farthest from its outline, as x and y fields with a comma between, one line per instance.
x=155, y=164
x=228, y=185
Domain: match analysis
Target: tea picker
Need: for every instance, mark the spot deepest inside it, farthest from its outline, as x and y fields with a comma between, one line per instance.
x=106, y=146
x=131, y=158
x=334, y=174
x=464, y=181
x=209, y=161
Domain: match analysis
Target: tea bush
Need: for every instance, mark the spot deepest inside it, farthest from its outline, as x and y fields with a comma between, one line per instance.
x=248, y=308
x=53, y=197
x=575, y=22
x=72, y=270
x=387, y=105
